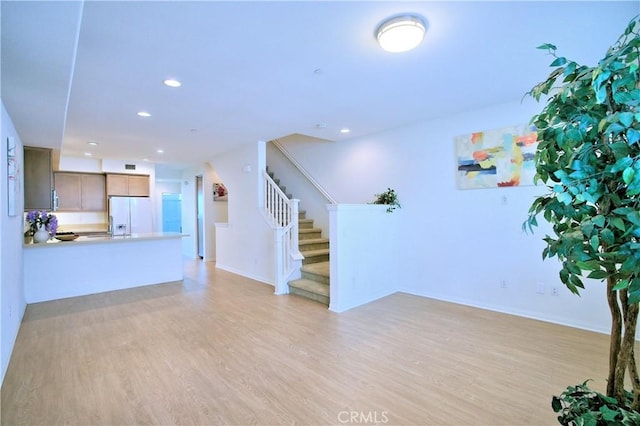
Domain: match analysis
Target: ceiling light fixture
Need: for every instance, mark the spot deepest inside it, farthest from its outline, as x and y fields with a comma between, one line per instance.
x=144, y=114
x=88, y=154
x=92, y=143
x=172, y=82
x=401, y=33
x=345, y=130
x=160, y=151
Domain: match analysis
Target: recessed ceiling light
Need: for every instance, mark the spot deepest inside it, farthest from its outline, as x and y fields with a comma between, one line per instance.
x=92, y=143
x=400, y=33
x=145, y=159
x=88, y=154
x=321, y=125
x=160, y=151
x=172, y=82
x=144, y=114
x=345, y=130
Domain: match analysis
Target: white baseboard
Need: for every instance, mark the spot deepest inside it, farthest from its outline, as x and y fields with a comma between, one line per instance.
x=244, y=274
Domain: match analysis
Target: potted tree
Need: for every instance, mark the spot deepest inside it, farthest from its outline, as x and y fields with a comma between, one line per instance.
x=589, y=158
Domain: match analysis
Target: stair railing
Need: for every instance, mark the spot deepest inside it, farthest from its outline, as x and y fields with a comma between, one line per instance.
x=283, y=215
x=302, y=170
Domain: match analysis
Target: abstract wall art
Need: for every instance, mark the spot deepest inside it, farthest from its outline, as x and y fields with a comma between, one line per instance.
x=496, y=158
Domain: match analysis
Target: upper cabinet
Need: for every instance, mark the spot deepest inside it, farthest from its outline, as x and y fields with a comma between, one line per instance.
x=80, y=191
x=38, y=179
x=127, y=185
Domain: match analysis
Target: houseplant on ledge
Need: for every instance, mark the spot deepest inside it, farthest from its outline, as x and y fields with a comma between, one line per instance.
x=589, y=158
x=42, y=225
x=389, y=197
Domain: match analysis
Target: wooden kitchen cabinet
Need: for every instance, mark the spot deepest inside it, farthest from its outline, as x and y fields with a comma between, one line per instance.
x=80, y=191
x=127, y=185
x=38, y=178
x=94, y=197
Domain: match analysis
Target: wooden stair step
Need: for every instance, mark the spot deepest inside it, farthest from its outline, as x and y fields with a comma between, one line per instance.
x=313, y=244
x=316, y=271
x=314, y=252
x=315, y=256
x=310, y=289
x=309, y=233
x=305, y=223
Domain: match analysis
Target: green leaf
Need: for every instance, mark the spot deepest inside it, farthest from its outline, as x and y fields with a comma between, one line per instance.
x=627, y=175
x=618, y=223
x=621, y=164
x=598, y=274
x=626, y=118
x=595, y=242
x=558, y=62
x=634, y=217
x=599, y=221
x=634, y=291
x=614, y=128
x=633, y=136
x=565, y=198
x=623, y=211
x=608, y=414
x=621, y=285
x=546, y=46
x=607, y=236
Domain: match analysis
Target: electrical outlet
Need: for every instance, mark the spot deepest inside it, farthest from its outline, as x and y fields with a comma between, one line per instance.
x=554, y=290
x=540, y=288
x=503, y=284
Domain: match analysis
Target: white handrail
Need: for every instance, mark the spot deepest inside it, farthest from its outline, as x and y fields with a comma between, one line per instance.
x=302, y=170
x=283, y=214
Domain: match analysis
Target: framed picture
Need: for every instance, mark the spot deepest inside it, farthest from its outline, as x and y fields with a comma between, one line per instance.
x=13, y=176
x=496, y=158
x=220, y=192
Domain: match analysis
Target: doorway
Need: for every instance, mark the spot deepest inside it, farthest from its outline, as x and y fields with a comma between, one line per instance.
x=171, y=212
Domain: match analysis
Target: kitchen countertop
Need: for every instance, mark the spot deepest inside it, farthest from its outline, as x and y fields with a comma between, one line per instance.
x=103, y=238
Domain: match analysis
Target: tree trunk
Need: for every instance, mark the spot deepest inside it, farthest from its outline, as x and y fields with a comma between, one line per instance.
x=626, y=348
x=635, y=380
x=616, y=332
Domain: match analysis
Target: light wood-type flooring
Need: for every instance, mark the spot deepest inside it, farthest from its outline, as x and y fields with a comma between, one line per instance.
x=219, y=349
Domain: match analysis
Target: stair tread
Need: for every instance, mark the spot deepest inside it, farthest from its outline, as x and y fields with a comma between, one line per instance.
x=309, y=230
x=310, y=286
x=320, y=268
x=312, y=241
x=314, y=252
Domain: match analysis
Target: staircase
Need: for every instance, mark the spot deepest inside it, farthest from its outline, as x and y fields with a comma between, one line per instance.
x=314, y=283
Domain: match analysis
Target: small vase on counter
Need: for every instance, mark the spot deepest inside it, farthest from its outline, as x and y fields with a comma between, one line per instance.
x=41, y=235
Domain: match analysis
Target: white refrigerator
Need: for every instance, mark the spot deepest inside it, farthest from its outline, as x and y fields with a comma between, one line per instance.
x=130, y=215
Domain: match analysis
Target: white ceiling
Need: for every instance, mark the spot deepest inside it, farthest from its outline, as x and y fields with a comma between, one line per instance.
x=249, y=68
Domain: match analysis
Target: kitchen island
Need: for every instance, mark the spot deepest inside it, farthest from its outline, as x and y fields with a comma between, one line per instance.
x=99, y=263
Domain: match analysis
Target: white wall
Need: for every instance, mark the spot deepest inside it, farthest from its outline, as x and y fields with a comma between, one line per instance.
x=364, y=256
x=457, y=245
x=245, y=244
x=12, y=300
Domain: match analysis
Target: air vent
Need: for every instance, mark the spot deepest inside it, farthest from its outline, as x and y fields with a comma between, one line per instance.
x=129, y=166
